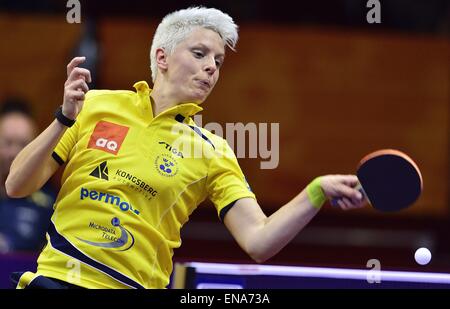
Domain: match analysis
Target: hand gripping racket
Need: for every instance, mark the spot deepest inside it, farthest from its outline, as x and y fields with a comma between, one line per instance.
x=389, y=180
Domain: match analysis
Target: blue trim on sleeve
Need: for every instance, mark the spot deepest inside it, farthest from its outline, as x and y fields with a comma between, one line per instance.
x=225, y=210
x=57, y=158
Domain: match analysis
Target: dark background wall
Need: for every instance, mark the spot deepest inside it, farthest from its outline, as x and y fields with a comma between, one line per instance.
x=338, y=86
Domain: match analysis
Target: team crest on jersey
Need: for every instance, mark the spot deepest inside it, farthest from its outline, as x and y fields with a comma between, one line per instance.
x=108, y=137
x=166, y=165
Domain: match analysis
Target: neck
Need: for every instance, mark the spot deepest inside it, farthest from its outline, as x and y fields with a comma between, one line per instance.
x=161, y=99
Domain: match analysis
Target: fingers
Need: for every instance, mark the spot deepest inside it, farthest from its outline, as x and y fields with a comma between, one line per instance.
x=343, y=190
x=342, y=186
x=347, y=204
x=349, y=180
x=75, y=91
x=75, y=95
x=78, y=84
x=344, y=203
x=79, y=73
x=349, y=192
x=74, y=63
x=75, y=87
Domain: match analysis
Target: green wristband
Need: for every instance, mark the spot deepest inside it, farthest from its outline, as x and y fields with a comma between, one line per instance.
x=315, y=193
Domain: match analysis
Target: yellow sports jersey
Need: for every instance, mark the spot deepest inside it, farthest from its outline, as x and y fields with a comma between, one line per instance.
x=130, y=183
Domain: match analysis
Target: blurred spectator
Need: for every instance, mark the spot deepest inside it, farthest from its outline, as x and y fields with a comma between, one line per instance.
x=24, y=221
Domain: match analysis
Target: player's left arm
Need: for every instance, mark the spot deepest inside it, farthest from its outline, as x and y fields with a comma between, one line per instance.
x=262, y=237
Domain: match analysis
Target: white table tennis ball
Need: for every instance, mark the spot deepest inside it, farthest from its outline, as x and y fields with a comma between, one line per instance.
x=422, y=256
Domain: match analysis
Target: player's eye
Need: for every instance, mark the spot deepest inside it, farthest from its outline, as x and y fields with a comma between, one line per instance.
x=198, y=54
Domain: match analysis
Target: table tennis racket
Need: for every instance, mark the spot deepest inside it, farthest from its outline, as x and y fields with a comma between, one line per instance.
x=389, y=180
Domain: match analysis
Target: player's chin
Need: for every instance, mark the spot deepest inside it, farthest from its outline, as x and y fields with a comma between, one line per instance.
x=199, y=97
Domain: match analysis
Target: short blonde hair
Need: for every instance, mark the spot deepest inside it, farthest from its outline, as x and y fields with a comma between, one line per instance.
x=176, y=26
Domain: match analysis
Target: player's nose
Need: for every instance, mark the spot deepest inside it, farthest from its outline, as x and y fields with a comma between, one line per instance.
x=210, y=66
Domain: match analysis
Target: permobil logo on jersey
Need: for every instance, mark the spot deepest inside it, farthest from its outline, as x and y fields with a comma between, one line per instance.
x=108, y=199
x=108, y=136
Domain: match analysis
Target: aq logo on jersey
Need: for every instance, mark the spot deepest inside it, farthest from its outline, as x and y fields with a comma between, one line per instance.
x=124, y=241
x=166, y=165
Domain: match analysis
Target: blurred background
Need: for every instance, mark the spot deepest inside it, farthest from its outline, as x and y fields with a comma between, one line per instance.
x=338, y=86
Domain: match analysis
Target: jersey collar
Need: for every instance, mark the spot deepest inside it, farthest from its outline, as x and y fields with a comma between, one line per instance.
x=184, y=109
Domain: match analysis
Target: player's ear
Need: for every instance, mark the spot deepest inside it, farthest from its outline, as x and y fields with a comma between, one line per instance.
x=161, y=59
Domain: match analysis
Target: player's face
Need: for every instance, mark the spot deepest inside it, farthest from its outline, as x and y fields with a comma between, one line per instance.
x=193, y=67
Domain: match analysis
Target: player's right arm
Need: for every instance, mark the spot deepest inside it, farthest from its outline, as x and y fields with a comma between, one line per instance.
x=262, y=237
x=34, y=165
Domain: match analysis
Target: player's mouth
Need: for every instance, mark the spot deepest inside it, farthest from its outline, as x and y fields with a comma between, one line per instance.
x=204, y=83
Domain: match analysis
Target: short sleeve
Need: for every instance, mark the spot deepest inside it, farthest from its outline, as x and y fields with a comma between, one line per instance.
x=226, y=183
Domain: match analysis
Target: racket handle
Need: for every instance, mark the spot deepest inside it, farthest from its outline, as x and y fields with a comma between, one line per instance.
x=334, y=201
